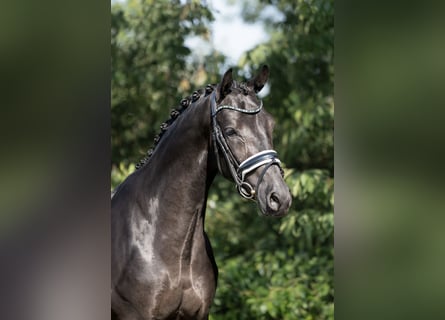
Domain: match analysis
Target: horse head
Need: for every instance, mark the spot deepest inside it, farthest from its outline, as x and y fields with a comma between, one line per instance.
x=242, y=140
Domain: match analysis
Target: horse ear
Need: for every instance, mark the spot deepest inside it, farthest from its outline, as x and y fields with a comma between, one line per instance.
x=258, y=82
x=226, y=84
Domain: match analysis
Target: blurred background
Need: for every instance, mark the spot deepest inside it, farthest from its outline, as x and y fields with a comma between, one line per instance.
x=389, y=135
x=161, y=51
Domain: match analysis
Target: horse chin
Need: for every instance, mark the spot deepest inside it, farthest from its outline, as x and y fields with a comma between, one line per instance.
x=268, y=213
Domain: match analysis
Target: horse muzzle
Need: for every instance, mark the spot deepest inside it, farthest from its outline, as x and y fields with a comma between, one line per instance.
x=277, y=204
x=273, y=195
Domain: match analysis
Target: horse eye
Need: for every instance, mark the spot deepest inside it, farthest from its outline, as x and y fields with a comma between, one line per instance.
x=229, y=132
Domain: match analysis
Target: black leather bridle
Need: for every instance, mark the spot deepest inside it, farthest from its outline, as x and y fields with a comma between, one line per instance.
x=239, y=171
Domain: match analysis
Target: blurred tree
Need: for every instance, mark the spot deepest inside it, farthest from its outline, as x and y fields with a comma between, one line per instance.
x=149, y=72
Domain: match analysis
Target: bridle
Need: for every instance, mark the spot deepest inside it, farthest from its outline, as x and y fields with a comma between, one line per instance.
x=239, y=171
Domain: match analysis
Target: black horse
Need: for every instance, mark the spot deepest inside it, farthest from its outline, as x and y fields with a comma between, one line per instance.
x=162, y=262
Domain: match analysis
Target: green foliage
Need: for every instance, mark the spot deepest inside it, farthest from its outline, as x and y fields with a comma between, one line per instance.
x=119, y=173
x=268, y=268
x=149, y=74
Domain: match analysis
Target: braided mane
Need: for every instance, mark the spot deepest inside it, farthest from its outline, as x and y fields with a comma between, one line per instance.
x=183, y=105
x=174, y=114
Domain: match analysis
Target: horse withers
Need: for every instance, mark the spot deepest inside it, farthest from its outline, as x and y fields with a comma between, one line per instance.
x=162, y=261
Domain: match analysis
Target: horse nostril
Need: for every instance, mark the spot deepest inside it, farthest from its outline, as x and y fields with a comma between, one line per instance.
x=274, y=201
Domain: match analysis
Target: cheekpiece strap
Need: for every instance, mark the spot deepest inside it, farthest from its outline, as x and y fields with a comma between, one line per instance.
x=240, y=171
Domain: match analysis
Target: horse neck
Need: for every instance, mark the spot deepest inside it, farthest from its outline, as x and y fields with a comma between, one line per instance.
x=181, y=169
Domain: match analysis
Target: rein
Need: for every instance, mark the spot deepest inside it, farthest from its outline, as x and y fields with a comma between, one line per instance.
x=239, y=171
